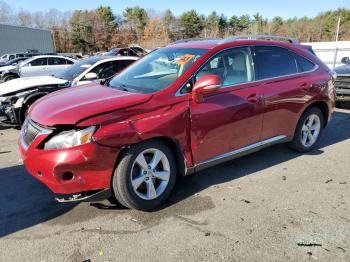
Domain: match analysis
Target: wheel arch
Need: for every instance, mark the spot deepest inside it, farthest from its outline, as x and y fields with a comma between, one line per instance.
x=11, y=74
x=173, y=145
x=28, y=100
x=323, y=108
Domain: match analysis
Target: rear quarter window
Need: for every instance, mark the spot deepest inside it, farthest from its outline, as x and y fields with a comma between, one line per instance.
x=304, y=65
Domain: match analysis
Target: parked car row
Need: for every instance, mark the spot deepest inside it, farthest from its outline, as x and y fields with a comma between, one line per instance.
x=40, y=65
x=175, y=111
x=6, y=57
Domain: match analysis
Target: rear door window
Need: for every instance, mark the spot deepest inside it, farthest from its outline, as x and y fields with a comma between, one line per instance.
x=39, y=62
x=271, y=61
x=57, y=61
x=105, y=70
x=69, y=62
x=124, y=63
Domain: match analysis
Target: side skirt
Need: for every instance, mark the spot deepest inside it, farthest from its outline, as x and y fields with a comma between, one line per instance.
x=238, y=153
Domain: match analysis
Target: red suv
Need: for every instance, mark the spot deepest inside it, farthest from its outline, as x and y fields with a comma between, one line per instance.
x=176, y=111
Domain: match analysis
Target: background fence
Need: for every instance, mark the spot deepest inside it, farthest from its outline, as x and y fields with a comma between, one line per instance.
x=331, y=53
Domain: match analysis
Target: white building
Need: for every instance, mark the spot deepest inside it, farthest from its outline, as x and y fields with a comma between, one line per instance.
x=18, y=39
x=331, y=52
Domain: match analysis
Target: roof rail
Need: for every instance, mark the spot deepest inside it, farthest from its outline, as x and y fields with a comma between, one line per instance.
x=264, y=37
x=193, y=39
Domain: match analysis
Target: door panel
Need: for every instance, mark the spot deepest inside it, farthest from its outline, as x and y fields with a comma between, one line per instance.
x=37, y=67
x=285, y=89
x=226, y=121
x=54, y=69
x=231, y=118
x=284, y=99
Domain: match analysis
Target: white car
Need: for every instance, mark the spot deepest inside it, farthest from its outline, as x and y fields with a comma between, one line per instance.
x=17, y=95
x=42, y=65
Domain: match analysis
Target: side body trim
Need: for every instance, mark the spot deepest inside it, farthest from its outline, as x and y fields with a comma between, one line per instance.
x=238, y=153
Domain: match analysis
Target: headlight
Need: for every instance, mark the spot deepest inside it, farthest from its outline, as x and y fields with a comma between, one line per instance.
x=70, y=138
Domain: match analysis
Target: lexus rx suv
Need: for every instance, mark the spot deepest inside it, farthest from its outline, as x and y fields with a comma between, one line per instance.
x=178, y=110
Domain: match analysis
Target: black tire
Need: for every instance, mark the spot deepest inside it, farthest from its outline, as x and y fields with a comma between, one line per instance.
x=338, y=104
x=121, y=180
x=296, y=143
x=9, y=77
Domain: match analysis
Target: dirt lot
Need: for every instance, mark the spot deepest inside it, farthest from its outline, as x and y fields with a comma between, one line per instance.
x=275, y=205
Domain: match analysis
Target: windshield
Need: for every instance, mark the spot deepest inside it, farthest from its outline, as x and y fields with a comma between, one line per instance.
x=75, y=70
x=14, y=61
x=20, y=63
x=157, y=70
x=113, y=51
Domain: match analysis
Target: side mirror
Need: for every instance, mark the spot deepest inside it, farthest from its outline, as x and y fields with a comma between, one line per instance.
x=345, y=60
x=91, y=76
x=206, y=84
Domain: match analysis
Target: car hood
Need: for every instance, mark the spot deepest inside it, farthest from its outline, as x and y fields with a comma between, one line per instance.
x=22, y=84
x=343, y=70
x=69, y=106
x=7, y=68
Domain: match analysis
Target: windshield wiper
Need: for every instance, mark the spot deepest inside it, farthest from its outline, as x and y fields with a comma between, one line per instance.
x=125, y=88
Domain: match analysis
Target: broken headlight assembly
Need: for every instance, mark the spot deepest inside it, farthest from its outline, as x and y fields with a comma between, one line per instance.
x=71, y=138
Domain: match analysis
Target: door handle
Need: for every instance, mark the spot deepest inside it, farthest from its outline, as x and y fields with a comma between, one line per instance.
x=253, y=98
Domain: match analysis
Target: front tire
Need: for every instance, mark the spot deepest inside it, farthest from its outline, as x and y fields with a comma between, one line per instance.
x=145, y=176
x=308, y=131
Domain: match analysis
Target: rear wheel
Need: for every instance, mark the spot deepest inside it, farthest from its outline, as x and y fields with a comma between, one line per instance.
x=145, y=176
x=308, y=131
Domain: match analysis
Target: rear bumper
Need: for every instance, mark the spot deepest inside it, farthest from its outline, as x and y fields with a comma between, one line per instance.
x=70, y=171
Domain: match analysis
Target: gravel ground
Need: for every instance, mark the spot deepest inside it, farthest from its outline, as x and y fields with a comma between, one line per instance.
x=274, y=205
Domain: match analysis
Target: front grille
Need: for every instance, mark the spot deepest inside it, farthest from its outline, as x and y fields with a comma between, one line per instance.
x=30, y=131
x=342, y=85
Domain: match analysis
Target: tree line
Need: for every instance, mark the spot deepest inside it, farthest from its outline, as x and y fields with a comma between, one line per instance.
x=89, y=31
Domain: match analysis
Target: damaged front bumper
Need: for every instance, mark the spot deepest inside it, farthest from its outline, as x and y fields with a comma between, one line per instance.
x=9, y=115
x=89, y=196
x=79, y=173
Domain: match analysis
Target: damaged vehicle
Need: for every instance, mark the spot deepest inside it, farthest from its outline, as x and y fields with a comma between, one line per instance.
x=212, y=101
x=16, y=96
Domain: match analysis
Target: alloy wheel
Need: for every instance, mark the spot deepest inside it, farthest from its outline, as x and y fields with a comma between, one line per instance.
x=150, y=174
x=310, y=130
